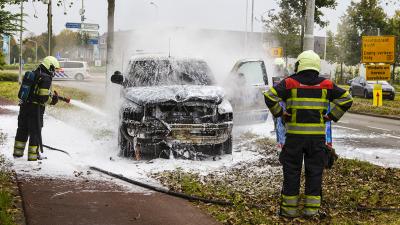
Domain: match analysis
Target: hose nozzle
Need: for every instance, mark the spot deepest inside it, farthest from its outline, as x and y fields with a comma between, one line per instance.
x=64, y=99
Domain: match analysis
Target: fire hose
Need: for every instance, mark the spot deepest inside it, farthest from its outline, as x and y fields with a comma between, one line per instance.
x=214, y=201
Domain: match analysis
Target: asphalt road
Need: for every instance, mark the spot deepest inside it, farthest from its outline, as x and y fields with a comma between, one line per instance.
x=367, y=132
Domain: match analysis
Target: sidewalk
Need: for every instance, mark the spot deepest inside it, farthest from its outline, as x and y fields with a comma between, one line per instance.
x=54, y=201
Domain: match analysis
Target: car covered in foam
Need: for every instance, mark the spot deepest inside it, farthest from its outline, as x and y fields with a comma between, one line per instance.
x=171, y=106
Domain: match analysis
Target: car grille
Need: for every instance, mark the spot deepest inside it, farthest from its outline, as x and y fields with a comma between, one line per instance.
x=188, y=113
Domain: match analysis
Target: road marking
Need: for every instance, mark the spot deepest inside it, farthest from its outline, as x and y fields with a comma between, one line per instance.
x=346, y=128
x=397, y=137
x=378, y=128
x=343, y=122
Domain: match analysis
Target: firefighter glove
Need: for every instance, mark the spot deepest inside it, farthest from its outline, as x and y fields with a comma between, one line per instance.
x=327, y=118
x=332, y=157
x=54, y=98
x=286, y=116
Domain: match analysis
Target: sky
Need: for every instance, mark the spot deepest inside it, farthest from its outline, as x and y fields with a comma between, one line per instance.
x=133, y=14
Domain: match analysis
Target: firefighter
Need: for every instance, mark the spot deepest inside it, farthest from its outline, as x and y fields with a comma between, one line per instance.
x=307, y=97
x=30, y=118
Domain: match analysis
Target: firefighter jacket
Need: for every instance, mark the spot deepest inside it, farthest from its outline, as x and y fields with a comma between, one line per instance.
x=307, y=97
x=41, y=91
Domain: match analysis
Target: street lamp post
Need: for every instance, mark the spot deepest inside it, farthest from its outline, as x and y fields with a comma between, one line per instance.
x=20, y=43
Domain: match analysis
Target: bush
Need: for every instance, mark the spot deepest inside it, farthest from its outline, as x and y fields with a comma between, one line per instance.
x=16, y=67
x=8, y=76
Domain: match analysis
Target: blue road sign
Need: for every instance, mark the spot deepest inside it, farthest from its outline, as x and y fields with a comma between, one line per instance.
x=58, y=55
x=93, y=41
x=73, y=25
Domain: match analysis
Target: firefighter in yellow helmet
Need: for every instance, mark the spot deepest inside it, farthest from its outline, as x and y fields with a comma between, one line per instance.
x=34, y=93
x=307, y=97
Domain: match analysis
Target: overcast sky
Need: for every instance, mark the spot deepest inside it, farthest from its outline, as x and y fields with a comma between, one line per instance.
x=131, y=14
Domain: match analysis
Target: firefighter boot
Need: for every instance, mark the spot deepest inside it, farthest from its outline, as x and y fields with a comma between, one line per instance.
x=289, y=206
x=311, y=205
x=19, y=147
x=32, y=153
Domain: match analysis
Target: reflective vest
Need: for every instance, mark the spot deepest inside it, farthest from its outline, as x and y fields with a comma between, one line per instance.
x=312, y=107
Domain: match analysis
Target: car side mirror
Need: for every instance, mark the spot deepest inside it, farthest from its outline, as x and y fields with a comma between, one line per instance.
x=363, y=83
x=117, y=77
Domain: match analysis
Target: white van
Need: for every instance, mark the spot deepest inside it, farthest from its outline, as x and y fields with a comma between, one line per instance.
x=77, y=70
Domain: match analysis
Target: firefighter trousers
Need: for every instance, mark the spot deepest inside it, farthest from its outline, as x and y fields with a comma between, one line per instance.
x=313, y=151
x=30, y=123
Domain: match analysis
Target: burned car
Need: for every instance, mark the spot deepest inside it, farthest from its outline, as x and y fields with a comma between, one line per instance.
x=171, y=107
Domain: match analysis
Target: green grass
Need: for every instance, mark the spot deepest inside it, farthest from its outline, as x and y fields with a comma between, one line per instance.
x=349, y=184
x=9, y=212
x=9, y=91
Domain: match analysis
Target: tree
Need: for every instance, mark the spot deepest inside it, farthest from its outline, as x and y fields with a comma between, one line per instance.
x=67, y=40
x=292, y=18
x=362, y=18
x=393, y=28
x=332, y=50
x=283, y=27
x=9, y=22
x=14, y=54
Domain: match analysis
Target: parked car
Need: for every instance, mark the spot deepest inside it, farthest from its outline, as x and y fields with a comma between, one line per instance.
x=361, y=87
x=169, y=105
x=244, y=85
x=77, y=70
x=349, y=81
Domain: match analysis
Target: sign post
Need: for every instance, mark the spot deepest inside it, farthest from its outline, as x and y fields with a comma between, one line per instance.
x=378, y=72
x=378, y=49
x=377, y=98
x=276, y=52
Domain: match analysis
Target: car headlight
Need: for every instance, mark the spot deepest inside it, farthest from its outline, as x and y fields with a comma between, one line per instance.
x=225, y=107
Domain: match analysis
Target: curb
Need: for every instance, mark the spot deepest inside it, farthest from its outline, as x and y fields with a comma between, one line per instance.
x=375, y=115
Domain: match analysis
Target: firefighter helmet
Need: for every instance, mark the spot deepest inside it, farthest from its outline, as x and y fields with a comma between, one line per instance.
x=51, y=63
x=308, y=60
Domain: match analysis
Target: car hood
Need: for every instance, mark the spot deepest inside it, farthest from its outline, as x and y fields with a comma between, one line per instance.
x=176, y=93
x=384, y=86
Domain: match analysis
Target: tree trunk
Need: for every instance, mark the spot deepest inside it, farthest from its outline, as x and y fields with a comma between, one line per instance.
x=303, y=24
x=110, y=39
x=341, y=73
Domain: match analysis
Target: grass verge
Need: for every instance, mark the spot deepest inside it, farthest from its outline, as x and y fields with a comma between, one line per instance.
x=10, y=213
x=9, y=91
x=362, y=105
x=349, y=184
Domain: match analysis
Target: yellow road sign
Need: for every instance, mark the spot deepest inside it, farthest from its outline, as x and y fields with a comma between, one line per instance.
x=377, y=99
x=378, y=72
x=276, y=52
x=378, y=49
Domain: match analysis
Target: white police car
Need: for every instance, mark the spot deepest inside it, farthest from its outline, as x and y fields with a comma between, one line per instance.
x=77, y=70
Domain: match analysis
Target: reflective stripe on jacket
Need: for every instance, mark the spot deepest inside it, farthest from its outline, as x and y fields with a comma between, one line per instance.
x=307, y=103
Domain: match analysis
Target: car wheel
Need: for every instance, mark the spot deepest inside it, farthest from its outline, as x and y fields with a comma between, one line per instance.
x=366, y=95
x=79, y=77
x=225, y=147
x=228, y=145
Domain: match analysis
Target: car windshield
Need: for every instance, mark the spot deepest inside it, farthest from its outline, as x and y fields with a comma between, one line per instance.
x=379, y=82
x=168, y=72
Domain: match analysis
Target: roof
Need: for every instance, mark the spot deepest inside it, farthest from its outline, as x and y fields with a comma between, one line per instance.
x=162, y=57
